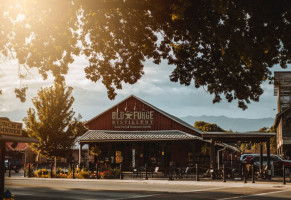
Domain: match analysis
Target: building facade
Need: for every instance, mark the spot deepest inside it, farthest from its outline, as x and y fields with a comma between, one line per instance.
x=135, y=133
x=282, y=89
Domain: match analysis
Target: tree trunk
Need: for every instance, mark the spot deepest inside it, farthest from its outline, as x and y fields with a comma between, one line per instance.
x=55, y=165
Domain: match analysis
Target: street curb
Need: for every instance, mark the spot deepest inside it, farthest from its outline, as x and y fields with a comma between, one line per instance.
x=166, y=182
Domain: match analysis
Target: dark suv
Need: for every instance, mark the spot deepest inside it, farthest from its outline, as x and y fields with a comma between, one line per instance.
x=275, y=161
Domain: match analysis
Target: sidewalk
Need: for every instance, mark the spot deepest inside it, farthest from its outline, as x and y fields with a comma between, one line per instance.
x=276, y=183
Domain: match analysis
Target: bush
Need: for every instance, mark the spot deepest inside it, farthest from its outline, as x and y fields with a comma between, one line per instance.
x=116, y=172
x=84, y=175
x=112, y=173
x=42, y=173
x=61, y=175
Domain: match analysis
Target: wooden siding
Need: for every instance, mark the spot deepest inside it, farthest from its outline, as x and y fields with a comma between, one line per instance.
x=159, y=121
x=286, y=127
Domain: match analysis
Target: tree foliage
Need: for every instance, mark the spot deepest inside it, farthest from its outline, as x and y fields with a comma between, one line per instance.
x=52, y=121
x=227, y=47
x=207, y=127
x=273, y=140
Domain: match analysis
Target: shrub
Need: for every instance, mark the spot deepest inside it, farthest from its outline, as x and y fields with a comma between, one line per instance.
x=62, y=175
x=42, y=173
x=84, y=174
x=112, y=173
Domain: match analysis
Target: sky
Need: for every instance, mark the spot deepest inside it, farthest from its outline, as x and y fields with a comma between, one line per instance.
x=154, y=87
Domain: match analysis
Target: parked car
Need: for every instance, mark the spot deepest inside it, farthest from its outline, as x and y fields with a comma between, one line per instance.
x=6, y=164
x=276, y=163
x=14, y=164
x=244, y=158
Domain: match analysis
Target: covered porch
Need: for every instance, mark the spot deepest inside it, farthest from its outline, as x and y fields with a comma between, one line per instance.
x=245, y=137
x=136, y=149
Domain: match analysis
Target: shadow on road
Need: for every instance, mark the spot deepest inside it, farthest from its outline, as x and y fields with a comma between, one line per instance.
x=48, y=193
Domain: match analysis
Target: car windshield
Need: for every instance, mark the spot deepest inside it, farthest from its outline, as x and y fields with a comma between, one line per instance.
x=256, y=159
x=246, y=156
x=273, y=158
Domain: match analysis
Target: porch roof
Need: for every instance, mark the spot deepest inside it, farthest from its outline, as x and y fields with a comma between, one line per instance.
x=11, y=138
x=160, y=135
x=235, y=137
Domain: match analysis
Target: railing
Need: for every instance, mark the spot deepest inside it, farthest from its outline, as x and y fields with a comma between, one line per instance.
x=243, y=172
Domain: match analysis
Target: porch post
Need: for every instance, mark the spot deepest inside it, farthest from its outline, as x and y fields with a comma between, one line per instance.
x=261, y=160
x=2, y=166
x=268, y=157
x=80, y=154
x=193, y=152
x=163, y=155
x=146, y=153
x=212, y=157
x=231, y=157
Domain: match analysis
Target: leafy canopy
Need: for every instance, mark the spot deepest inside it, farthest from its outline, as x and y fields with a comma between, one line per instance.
x=52, y=121
x=256, y=146
x=273, y=140
x=207, y=127
x=227, y=47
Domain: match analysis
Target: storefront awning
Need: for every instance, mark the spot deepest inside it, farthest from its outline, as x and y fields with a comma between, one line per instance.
x=19, y=146
x=109, y=136
x=9, y=138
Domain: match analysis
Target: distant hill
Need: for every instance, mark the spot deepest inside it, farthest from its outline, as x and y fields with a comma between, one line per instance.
x=235, y=124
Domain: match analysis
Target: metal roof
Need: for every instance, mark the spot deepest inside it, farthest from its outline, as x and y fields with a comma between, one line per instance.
x=106, y=136
x=237, y=136
x=250, y=133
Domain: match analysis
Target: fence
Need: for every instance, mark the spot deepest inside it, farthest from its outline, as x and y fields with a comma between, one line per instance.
x=228, y=170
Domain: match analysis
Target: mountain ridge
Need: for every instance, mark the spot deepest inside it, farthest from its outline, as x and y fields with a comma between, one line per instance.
x=234, y=124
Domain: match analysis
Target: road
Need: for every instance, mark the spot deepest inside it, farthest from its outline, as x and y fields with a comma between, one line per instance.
x=54, y=189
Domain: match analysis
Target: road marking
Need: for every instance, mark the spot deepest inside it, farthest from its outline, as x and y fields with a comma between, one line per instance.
x=251, y=195
x=135, y=197
x=80, y=198
x=201, y=190
x=46, y=195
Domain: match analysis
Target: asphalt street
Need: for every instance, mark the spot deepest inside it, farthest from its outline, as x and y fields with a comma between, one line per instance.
x=52, y=189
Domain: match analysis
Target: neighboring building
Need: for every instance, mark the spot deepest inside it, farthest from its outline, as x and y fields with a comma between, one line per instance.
x=20, y=152
x=282, y=89
x=85, y=153
x=24, y=154
x=136, y=133
x=283, y=132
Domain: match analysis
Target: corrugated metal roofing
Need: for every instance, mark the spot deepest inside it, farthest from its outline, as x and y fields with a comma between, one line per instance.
x=240, y=134
x=104, y=135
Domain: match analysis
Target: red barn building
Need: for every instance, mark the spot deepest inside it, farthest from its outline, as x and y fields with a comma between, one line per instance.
x=136, y=133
